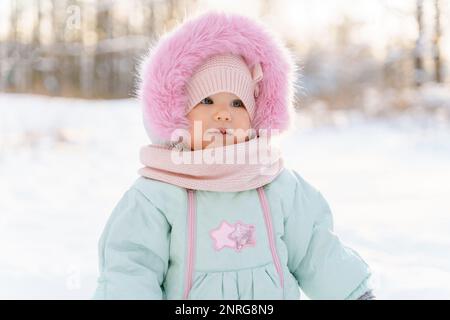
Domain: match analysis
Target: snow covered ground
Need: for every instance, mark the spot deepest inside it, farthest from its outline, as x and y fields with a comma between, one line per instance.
x=64, y=164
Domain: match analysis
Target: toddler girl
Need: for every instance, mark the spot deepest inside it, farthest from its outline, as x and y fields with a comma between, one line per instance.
x=214, y=213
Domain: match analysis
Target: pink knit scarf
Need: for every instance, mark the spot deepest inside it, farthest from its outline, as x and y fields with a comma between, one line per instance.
x=236, y=167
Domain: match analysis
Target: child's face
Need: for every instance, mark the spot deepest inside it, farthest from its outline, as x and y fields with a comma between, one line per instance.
x=221, y=110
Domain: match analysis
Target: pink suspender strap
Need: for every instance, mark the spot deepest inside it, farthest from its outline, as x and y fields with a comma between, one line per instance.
x=191, y=242
x=270, y=232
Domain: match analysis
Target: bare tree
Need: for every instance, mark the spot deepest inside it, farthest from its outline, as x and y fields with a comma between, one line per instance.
x=87, y=57
x=436, y=42
x=419, y=48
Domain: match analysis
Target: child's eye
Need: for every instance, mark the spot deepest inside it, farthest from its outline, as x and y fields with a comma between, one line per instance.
x=238, y=103
x=206, y=101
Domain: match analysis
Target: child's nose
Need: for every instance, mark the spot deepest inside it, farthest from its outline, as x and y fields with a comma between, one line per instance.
x=222, y=115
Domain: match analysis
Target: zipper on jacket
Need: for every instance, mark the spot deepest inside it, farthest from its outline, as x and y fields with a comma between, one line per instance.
x=270, y=232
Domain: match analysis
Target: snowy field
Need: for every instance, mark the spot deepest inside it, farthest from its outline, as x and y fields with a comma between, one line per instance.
x=64, y=164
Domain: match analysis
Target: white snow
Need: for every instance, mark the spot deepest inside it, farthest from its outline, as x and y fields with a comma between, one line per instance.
x=64, y=164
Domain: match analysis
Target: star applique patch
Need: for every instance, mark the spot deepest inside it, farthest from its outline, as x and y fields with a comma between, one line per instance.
x=237, y=236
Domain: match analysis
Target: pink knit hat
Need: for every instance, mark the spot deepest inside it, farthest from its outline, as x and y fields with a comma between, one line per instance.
x=225, y=73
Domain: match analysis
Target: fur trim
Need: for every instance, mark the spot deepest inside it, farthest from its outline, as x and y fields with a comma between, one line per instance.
x=168, y=65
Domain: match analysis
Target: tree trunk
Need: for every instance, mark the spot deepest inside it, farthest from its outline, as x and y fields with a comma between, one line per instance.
x=419, y=73
x=436, y=43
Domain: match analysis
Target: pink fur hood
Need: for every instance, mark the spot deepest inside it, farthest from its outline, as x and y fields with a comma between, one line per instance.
x=170, y=62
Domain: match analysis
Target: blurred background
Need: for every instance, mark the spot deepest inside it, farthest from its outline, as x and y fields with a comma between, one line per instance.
x=372, y=130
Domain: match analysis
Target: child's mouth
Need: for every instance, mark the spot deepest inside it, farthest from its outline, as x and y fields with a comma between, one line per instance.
x=222, y=131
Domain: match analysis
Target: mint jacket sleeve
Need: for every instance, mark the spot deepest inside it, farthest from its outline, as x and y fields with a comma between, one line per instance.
x=133, y=250
x=325, y=268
